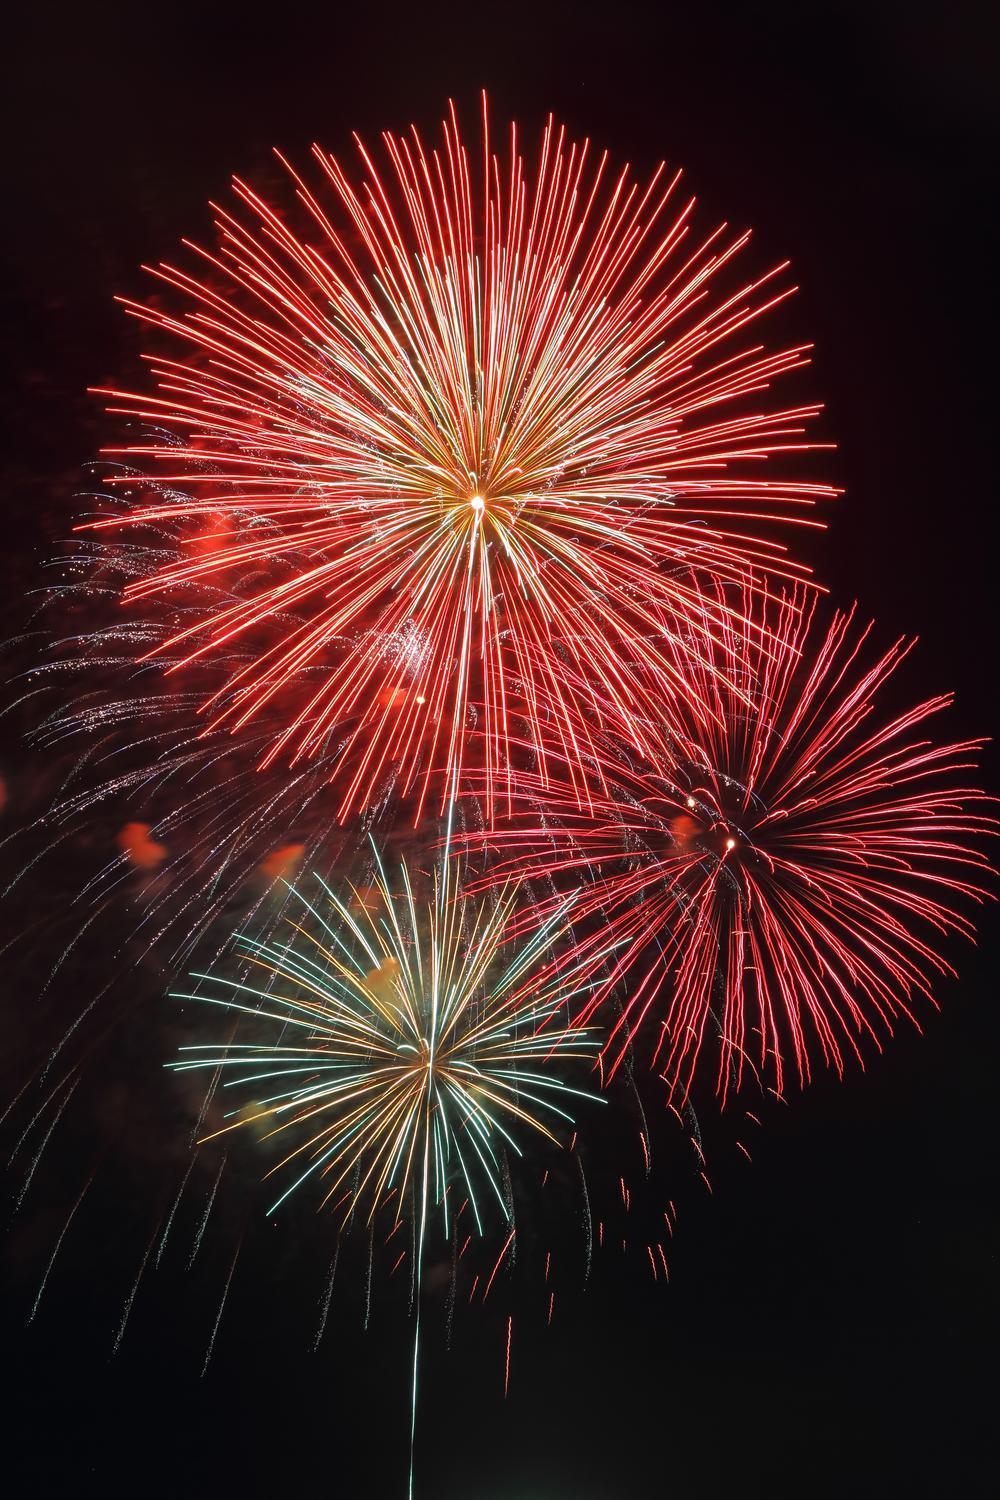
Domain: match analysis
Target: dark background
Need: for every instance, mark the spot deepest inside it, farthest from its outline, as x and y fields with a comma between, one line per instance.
x=832, y=1317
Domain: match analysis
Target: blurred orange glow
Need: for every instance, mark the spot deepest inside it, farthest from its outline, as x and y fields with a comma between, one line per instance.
x=144, y=852
x=282, y=862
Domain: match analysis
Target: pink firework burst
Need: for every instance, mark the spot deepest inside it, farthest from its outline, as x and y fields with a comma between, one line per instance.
x=780, y=889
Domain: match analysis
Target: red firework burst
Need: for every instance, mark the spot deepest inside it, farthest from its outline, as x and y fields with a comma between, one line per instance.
x=462, y=446
x=781, y=887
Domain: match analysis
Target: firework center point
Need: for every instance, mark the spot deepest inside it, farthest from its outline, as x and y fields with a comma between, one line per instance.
x=478, y=504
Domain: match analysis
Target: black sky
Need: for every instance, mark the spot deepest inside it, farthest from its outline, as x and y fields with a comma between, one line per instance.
x=831, y=1321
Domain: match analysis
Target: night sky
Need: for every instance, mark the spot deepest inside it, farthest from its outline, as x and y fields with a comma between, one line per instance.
x=831, y=1320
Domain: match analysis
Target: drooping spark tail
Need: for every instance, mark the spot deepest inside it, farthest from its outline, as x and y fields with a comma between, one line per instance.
x=57, y=1247
x=221, y=1308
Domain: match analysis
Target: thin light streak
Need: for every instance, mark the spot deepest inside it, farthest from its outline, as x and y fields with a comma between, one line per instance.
x=56, y=1248
x=218, y=1315
x=130, y=1300
x=324, y=1311
x=203, y=1222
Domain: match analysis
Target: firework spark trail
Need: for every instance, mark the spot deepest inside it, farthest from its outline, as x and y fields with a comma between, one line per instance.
x=218, y=830
x=452, y=1285
x=69, y=947
x=11, y=1105
x=324, y=1311
x=776, y=884
x=218, y=1315
x=413, y=1261
x=68, y=1033
x=56, y=1248
x=203, y=1223
x=37, y=1114
x=206, y=1105
x=368, y=1275
x=490, y=452
x=588, y=1220
x=130, y=1299
x=41, y=1149
x=173, y=1210
x=508, y=1246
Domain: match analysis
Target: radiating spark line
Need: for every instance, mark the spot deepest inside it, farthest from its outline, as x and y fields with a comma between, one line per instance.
x=55, y=1250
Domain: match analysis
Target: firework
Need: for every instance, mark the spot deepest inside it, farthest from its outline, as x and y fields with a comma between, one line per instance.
x=410, y=1037
x=454, y=493
x=453, y=457
x=409, y=1049
x=781, y=890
